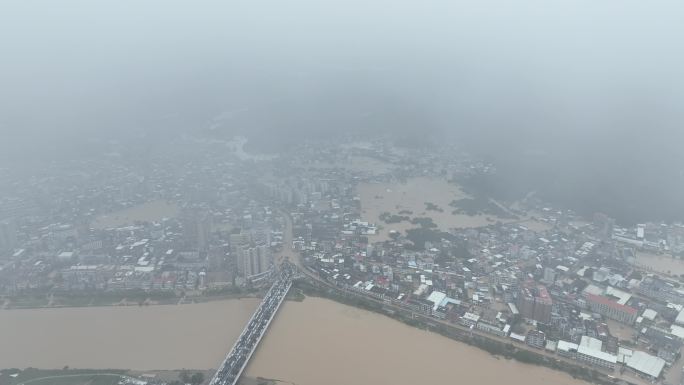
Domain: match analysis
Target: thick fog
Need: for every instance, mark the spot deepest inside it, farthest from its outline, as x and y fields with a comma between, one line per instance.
x=568, y=96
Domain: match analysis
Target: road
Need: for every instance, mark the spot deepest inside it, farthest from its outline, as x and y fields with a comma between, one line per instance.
x=288, y=237
x=674, y=375
x=237, y=359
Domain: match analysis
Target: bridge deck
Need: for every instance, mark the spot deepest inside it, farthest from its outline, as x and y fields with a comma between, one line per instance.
x=235, y=362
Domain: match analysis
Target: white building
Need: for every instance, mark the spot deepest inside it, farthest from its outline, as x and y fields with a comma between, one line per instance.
x=645, y=363
x=567, y=349
x=588, y=353
x=470, y=319
x=680, y=318
x=649, y=314
x=491, y=329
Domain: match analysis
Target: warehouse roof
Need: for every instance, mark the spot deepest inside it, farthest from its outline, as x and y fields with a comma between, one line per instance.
x=597, y=354
x=646, y=363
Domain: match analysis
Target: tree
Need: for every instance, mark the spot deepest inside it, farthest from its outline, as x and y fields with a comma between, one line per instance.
x=197, y=378
x=184, y=377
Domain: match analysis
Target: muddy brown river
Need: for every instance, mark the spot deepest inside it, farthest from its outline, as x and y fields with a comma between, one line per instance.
x=130, y=337
x=313, y=342
x=322, y=342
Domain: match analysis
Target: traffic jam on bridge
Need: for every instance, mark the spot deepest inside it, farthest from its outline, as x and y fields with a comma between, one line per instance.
x=238, y=357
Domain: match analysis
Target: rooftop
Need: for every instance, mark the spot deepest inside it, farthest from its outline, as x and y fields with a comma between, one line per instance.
x=566, y=346
x=590, y=342
x=436, y=298
x=649, y=314
x=646, y=363
x=587, y=351
x=610, y=303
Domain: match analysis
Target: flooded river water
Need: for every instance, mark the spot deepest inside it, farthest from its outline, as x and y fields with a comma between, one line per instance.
x=131, y=337
x=322, y=342
x=313, y=342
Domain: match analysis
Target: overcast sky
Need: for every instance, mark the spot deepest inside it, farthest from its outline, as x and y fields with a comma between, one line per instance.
x=594, y=82
x=508, y=65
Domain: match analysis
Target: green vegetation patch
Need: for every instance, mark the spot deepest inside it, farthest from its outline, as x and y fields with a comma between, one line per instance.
x=429, y=206
x=424, y=222
x=479, y=206
x=32, y=376
x=421, y=235
x=393, y=218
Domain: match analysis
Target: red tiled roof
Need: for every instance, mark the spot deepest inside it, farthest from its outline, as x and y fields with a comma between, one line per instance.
x=608, y=302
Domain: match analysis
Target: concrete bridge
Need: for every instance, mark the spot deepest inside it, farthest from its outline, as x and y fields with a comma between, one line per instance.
x=235, y=362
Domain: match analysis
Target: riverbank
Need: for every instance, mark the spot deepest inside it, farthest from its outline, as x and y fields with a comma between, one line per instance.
x=495, y=347
x=307, y=341
x=321, y=341
x=64, y=376
x=69, y=376
x=50, y=300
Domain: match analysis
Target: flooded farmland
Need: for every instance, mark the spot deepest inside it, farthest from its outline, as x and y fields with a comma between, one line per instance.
x=150, y=211
x=659, y=263
x=424, y=197
x=412, y=198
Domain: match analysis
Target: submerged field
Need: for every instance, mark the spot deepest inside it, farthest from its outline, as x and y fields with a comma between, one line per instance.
x=148, y=212
x=418, y=197
x=659, y=263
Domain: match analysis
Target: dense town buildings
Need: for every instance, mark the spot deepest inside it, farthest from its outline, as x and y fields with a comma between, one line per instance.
x=535, y=303
x=528, y=273
x=612, y=309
